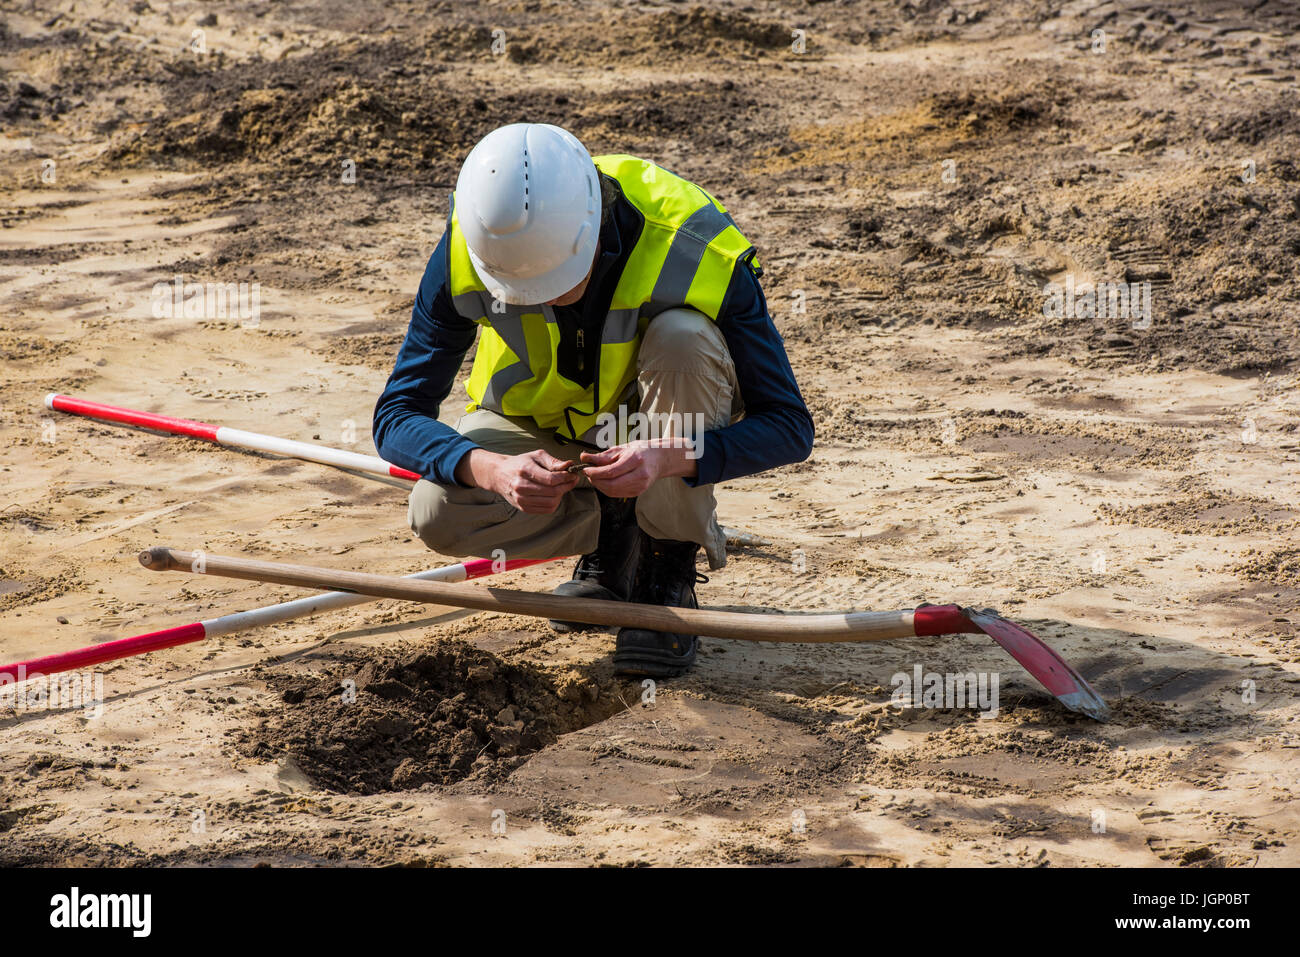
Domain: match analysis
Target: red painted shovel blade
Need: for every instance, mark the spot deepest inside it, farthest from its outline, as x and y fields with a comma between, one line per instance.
x=1043, y=663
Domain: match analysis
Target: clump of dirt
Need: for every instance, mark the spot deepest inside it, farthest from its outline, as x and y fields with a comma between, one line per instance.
x=1131, y=711
x=374, y=350
x=45, y=850
x=1099, y=445
x=1206, y=513
x=429, y=717
x=15, y=347
x=16, y=592
x=1278, y=567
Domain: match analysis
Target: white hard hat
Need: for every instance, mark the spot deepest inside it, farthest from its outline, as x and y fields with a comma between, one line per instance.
x=528, y=201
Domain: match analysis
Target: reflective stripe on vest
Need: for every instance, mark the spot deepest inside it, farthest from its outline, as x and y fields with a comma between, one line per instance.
x=685, y=256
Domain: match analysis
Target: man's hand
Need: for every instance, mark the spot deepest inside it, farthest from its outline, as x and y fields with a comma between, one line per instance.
x=533, y=482
x=625, y=471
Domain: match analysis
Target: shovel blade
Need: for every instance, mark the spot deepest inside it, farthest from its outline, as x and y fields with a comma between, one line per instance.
x=1043, y=663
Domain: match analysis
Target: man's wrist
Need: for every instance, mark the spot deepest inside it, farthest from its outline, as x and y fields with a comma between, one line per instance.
x=476, y=468
x=680, y=459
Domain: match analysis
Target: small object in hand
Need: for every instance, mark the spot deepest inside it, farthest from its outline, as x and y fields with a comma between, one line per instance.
x=578, y=467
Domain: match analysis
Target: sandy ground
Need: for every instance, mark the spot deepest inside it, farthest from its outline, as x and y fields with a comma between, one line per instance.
x=1127, y=491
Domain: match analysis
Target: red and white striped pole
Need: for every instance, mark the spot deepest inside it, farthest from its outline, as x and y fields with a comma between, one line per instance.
x=239, y=439
x=224, y=435
x=239, y=621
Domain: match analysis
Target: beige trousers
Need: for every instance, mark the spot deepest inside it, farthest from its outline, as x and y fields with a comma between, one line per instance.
x=683, y=368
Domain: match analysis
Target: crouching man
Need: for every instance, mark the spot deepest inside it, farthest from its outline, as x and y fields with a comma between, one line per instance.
x=627, y=364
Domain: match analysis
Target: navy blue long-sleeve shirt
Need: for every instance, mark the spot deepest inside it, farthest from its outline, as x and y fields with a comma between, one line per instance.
x=776, y=428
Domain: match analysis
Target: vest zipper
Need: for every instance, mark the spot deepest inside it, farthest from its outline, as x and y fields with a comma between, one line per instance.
x=582, y=352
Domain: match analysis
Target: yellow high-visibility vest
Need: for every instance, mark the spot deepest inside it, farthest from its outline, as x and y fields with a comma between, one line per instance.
x=684, y=256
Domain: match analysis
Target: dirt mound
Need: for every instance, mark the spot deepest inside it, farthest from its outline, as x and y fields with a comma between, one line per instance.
x=429, y=717
x=1253, y=127
x=982, y=111
x=698, y=32
x=316, y=125
x=719, y=30
x=935, y=125
x=308, y=126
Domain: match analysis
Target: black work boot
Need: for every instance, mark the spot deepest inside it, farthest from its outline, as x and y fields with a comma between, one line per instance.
x=666, y=576
x=609, y=571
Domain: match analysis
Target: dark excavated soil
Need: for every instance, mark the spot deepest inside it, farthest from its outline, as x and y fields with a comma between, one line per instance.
x=424, y=718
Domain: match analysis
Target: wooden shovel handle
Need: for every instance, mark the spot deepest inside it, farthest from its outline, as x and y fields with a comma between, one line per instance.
x=848, y=626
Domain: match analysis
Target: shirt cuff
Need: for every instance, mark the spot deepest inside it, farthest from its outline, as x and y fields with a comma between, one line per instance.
x=708, y=467
x=443, y=471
